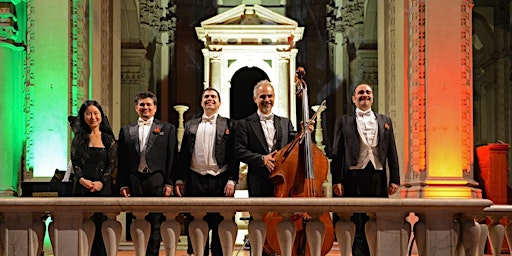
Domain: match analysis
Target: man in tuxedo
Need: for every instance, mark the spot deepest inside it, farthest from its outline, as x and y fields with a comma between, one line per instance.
x=146, y=153
x=207, y=165
x=257, y=138
x=364, y=143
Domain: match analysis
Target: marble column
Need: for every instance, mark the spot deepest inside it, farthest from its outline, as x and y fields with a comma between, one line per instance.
x=215, y=70
x=283, y=84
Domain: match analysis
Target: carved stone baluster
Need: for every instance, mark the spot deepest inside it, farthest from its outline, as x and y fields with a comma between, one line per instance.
x=286, y=234
x=484, y=234
x=257, y=233
x=470, y=234
x=406, y=236
x=198, y=232
x=228, y=231
x=111, y=230
x=181, y=127
x=345, y=232
x=370, y=230
x=139, y=230
x=457, y=248
x=508, y=233
x=315, y=233
x=496, y=234
x=170, y=230
x=37, y=234
x=420, y=234
x=87, y=234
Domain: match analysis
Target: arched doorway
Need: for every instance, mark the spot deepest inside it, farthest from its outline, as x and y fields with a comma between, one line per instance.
x=241, y=92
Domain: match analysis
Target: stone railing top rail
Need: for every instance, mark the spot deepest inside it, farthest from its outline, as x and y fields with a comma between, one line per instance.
x=202, y=204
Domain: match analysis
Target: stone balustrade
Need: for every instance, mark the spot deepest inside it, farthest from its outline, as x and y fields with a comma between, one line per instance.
x=444, y=226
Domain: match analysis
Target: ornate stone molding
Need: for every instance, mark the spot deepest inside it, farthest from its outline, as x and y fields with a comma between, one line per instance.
x=79, y=54
x=134, y=67
x=9, y=32
x=466, y=88
x=29, y=84
x=347, y=18
x=390, y=55
x=364, y=68
x=157, y=18
x=417, y=123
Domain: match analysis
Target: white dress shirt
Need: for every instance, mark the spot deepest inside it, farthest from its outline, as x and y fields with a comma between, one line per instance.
x=267, y=124
x=367, y=127
x=203, y=159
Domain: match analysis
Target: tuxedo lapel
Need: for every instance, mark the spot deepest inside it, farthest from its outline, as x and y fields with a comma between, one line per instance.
x=279, y=133
x=194, y=124
x=134, y=134
x=255, y=124
x=152, y=134
x=220, y=127
x=353, y=135
x=381, y=122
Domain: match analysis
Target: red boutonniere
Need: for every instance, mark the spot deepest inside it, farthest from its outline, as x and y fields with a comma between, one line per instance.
x=386, y=126
x=157, y=131
x=226, y=131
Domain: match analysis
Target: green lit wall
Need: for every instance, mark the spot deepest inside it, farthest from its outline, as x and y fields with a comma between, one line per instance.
x=49, y=91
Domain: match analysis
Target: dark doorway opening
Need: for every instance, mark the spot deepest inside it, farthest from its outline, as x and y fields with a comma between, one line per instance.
x=241, y=93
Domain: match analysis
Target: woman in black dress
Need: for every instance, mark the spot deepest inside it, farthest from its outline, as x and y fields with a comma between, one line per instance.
x=93, y=155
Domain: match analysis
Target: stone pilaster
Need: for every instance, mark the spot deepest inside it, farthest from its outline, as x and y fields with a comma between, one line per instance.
x=12, y=54
x=440, y=109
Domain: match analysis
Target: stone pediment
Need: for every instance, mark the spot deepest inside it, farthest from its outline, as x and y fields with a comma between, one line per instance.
x=249, y=15
x=249, y=25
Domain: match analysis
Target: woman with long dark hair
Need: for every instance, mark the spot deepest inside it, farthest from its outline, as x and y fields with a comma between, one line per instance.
x=93, y=155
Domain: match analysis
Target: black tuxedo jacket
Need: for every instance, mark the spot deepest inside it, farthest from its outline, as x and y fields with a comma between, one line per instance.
x=346, y=147
x=161, y=150
x=223, y=147
x=250, y=143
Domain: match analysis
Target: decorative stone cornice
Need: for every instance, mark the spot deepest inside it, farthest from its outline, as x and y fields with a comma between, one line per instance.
x=157, y=18
x=9, y=24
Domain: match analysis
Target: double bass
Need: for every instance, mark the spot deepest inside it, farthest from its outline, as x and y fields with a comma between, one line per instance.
x=300, y=170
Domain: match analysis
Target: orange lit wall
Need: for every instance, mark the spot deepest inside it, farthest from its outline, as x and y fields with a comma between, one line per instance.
x=443, y=97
